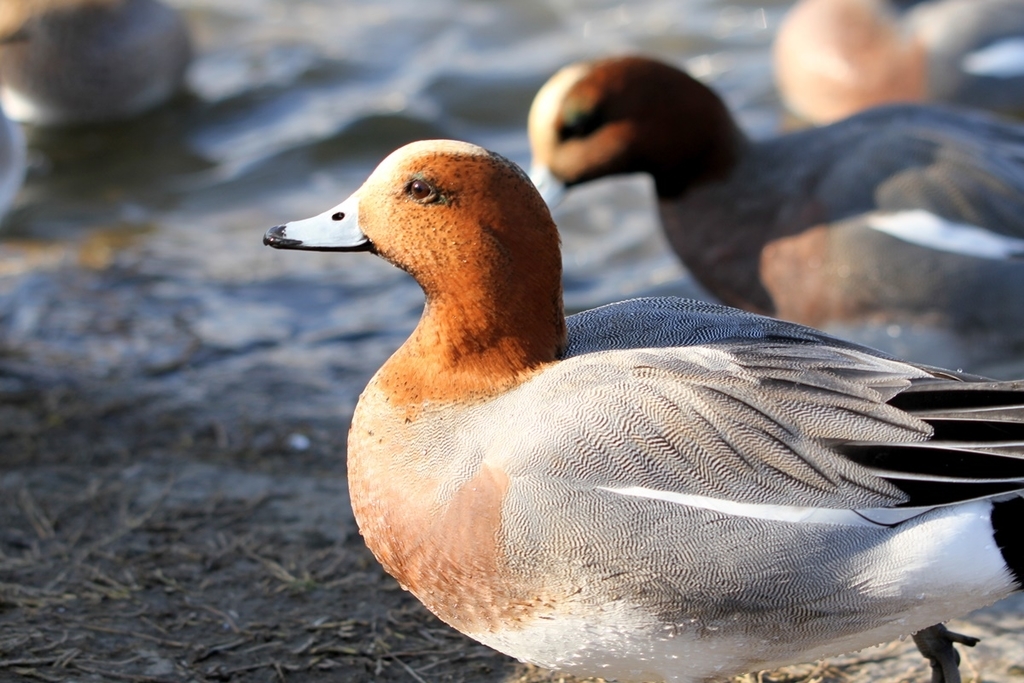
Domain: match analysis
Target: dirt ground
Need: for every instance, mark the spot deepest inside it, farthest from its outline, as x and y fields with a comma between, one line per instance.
x=185, y=516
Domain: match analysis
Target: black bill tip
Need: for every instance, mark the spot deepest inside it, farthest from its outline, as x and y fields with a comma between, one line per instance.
x=275, y=237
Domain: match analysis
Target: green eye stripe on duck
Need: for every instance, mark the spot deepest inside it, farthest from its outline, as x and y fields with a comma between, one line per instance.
x=579, y=122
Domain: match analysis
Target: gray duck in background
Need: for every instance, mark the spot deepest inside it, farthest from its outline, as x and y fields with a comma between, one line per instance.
x=84, y=61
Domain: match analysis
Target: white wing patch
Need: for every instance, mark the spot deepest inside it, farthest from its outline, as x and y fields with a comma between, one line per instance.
x=795, y=514
x=928, y=230
x=1002, y=59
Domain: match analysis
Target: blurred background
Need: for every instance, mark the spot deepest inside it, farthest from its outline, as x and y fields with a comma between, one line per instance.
x=289, y=106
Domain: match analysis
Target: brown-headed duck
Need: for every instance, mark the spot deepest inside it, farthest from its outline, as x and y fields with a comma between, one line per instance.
x=901, y=215
x=659, y=489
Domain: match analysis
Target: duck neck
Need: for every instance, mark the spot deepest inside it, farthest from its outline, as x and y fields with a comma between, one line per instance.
x=707, y=155
x=478, y=339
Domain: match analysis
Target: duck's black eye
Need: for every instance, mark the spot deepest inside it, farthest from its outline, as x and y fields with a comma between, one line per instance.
x=422, y=191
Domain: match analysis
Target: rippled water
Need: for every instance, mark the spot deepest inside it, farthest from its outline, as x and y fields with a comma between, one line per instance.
x=137, y=248
x=133, y=245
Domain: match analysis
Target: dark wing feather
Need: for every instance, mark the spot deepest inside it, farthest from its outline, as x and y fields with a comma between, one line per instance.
x=966, y=167
x=977, y=448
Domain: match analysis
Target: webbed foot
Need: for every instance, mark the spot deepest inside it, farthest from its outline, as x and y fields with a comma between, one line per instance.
x=936, y=643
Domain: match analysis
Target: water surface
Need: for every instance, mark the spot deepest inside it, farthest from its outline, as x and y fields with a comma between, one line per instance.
x=135, y=249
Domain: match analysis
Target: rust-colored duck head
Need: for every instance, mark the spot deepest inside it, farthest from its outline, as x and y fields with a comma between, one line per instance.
x=629, y=115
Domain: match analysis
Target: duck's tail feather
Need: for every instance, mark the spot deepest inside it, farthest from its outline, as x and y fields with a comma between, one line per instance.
x=976, y=450
x=1008, y=525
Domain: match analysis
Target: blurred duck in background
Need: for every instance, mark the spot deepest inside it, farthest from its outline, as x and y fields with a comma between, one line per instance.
x=68, y=62
x=834, y=58
x=902, y=215
x=12, y=161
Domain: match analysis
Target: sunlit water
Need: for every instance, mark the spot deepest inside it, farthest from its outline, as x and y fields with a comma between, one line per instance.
x=135, y=250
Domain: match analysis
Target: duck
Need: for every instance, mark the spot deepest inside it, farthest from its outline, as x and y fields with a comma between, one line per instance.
x=833, y=58
x=71, y=62
x=902, y=217
x=12, y=161
x=657, y=489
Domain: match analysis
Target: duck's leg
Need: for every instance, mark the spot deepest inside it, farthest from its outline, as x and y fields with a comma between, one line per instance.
x=936, y=643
